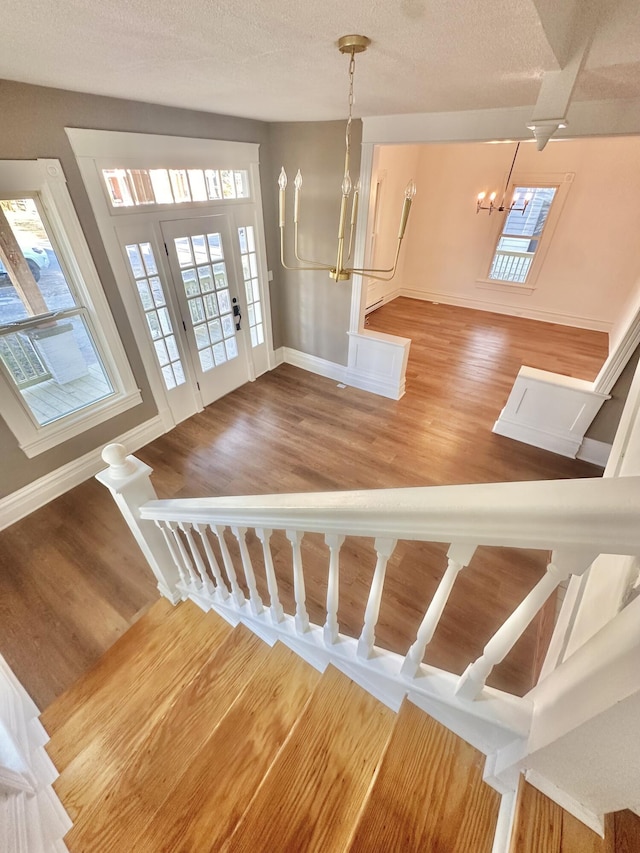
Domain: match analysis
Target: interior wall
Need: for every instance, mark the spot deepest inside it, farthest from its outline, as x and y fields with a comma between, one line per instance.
x=594, y=256
x=393, y=166
x=315, y=310
x=33, y=122
x=605, y=423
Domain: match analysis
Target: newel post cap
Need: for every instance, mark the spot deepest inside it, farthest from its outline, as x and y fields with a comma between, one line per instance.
x=120, y=465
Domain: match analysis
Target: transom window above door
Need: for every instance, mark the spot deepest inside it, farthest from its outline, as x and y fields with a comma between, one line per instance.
x=145, y=187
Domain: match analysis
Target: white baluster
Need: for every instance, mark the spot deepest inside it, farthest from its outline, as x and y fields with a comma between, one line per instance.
x=236, y=592
x=207, y=586
x=384, y=549
x=302, y=617
x=331, y=628
x=168, y=538
x=221, y=587
x=184, y=557
x=475, y=676
x=254, y=599
x=459, y=557
x=264, y=535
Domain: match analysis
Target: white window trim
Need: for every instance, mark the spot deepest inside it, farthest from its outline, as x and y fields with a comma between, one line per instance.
x=46, y=178
x=562, y=182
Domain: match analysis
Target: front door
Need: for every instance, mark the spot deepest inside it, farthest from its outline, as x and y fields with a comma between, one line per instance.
x=204, y=271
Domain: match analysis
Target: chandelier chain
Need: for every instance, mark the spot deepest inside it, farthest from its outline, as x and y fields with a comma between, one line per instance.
x=352, y=68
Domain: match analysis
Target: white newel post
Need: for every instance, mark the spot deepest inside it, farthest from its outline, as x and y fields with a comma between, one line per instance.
x=129, y=481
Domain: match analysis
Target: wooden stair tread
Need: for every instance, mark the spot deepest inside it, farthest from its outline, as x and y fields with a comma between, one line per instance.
x=428, y=793
x=159, y=670
x=113, y=816
x=118, y=655
x=205, y=805
x=315, y=788
x=542, y=825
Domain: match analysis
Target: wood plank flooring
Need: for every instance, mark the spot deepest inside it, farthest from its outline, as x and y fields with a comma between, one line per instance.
x=72, y=578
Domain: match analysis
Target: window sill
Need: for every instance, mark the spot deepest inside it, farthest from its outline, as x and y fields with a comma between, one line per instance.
x=45, y=437
x=495, y=284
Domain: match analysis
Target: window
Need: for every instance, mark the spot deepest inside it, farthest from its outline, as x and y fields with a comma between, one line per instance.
x=138, y=187
x=60, y=357
x=154, y=304
x=521, y=234
x=247, y=242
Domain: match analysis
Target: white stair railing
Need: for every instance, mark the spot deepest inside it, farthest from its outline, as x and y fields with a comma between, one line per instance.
x=575, y=519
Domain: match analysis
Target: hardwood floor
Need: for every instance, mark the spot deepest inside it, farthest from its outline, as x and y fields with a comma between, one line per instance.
x=72, y=578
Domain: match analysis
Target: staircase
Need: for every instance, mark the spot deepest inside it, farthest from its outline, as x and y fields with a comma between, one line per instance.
x=193, y=736
x=31, y=818
x=190, y=735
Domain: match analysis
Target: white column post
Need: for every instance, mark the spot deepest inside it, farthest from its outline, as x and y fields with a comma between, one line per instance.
x=277, y=613
x=562, y=565
x=384, y=549
x=331, y=628
x=207, y=585
x=236, y=592
x=302, y=617
x=128, y=480
x=255, y=602
x=459, y=557
x=221, y=587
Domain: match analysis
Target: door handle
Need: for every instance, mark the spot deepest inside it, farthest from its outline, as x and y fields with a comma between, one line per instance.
x=236, y=313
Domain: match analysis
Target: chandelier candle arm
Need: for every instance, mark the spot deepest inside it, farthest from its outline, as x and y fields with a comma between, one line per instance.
x=409, y=195
x=502, y=206
x=354, y=217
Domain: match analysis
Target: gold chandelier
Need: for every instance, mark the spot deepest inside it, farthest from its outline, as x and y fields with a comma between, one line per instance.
x=347, y=44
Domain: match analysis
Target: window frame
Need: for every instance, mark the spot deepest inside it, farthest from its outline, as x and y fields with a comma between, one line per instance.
x=44, y=180
x=561, y=183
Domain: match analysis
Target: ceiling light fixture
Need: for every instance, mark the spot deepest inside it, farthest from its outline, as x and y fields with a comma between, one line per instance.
x=351, y=45
x=502, y=206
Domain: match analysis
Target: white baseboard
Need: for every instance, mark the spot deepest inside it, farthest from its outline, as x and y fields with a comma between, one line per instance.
x=500, y=308
x=596, y=452
x=565, y=445
x=312, y=363
x=31, y=497
x=376, y=384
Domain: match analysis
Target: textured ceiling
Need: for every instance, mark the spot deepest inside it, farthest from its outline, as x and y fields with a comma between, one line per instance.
x=276, y=59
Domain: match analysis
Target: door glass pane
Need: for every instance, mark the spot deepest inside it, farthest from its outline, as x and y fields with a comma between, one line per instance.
x=190, y=280
x=200, y=249
x=202, y=259
x=154, y=304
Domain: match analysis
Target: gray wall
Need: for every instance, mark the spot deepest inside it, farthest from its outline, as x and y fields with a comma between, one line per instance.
x=33, y=122
x=314, y=309
x=605, y=423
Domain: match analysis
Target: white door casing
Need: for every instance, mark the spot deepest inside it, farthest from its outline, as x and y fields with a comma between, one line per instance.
x=97, y=150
